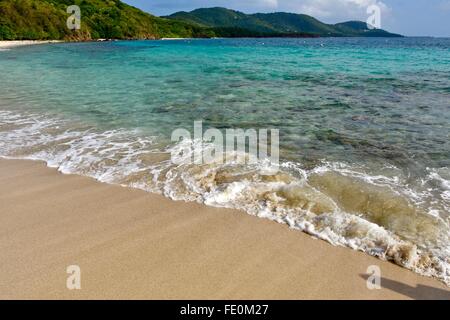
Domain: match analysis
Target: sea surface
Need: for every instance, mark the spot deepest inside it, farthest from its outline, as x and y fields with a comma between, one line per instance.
x=364, y=129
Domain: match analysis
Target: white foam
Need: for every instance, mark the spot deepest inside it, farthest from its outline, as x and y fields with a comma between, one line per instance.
x=107, y=156
x=285, y=196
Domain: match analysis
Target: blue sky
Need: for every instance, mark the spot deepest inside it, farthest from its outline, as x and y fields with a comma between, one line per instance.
x=408, y=17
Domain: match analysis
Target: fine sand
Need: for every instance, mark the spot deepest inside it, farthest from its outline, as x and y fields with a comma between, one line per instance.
x=19, y=43
x=132, y=244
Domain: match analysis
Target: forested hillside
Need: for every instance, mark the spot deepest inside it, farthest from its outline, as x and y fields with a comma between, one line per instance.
x=112, y=19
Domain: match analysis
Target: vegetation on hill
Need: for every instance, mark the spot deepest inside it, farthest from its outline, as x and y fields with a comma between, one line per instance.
x=109, y=19
x=113, y=19
x=223, y=18
x=279, y=23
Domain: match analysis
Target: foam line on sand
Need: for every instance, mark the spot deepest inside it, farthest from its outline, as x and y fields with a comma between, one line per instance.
x=133, y=244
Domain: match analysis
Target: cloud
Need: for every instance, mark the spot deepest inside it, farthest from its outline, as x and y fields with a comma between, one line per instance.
x=333, y=9
x=328, y=10
x=244, y=5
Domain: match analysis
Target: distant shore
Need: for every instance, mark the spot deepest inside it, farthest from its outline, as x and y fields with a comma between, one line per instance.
x=133, y=244
x=5, y=44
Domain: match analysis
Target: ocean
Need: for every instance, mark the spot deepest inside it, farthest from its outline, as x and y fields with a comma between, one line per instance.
x=364, y=127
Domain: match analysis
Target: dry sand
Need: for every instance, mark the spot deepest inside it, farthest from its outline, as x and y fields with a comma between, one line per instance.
x=132, y=244
x=19, y=43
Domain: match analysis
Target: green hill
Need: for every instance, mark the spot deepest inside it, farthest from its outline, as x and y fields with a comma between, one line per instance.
x=358, y=28
x=292, y=23
x=279, y=23
x=113, y=19
x=223, y=18
x=109, y=19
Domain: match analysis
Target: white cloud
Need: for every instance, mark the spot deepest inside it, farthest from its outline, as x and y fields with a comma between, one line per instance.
x=327, y=10
x=333, y=9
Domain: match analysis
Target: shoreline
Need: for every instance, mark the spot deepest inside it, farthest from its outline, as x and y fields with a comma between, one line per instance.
x=7, y=44
x=131, y=244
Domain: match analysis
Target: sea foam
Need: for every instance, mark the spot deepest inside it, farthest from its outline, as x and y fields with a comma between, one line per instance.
x=344, y=204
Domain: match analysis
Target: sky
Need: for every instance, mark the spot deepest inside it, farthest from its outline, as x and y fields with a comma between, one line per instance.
x=407, y=17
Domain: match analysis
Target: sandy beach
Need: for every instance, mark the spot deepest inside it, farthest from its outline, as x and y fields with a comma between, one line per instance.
x=19, y=43
x=131, y=244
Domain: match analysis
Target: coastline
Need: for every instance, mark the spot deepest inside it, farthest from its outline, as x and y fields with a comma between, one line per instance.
x=7, y=44
x=131, y=244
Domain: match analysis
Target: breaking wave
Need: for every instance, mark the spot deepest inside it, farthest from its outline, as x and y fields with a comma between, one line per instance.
x=379, y=212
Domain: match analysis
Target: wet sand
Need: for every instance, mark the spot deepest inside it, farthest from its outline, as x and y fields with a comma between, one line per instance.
x=131, y=244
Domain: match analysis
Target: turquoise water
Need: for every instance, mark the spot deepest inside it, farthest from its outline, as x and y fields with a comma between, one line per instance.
x=364, y=129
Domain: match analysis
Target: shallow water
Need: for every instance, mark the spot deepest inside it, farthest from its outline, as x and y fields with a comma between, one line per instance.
x=364, y=129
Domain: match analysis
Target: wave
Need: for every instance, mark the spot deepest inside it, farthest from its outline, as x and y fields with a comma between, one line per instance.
x=382, y=214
